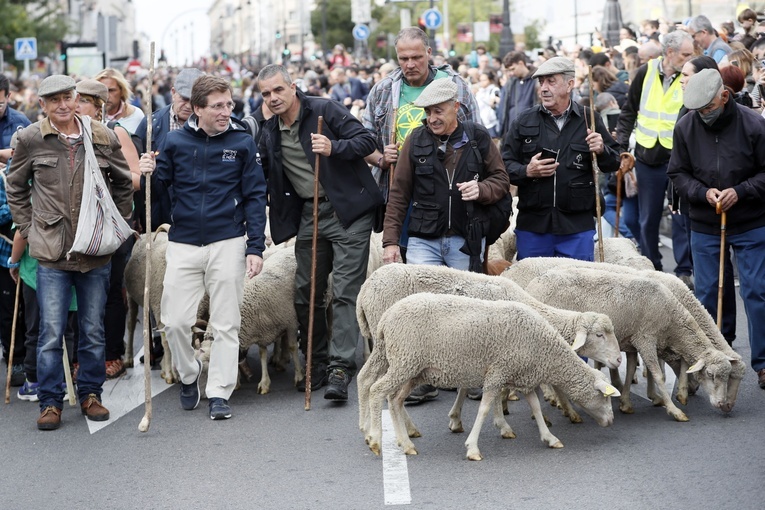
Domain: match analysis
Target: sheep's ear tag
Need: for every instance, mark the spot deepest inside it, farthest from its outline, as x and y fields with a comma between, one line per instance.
x=696, y=367
x=610, y=390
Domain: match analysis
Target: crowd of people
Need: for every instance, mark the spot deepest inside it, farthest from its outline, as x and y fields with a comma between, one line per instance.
x=422, y=152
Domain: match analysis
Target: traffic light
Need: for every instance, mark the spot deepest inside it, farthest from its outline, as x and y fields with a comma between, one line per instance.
x=286, y=53
x=452, y=51
x=421, y=24
x=278, y=34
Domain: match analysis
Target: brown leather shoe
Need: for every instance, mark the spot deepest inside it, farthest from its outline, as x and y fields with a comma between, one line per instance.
x=50, y=418
x=761, y=378
x=93, y=409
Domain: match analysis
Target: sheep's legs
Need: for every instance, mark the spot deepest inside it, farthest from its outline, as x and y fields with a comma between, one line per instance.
x=403, y=432
x=625, y=404
x=544, y=433
x=386, y=385
x=654, y=369
x=264, y=386
x=565, y=405
x=487, y=404
x=373, y=369
x=455, y=413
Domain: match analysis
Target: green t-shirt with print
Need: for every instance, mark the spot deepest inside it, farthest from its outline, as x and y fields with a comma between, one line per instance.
x=409, y=116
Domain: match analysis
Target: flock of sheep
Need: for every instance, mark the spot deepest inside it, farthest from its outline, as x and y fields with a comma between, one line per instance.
x=527, y=327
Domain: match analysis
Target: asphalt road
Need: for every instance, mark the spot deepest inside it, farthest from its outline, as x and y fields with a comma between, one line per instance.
x=275, y=455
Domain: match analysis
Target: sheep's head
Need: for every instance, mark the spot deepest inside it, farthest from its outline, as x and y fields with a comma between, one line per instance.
x=713, y=370
x=596, y=398
x=595, y=339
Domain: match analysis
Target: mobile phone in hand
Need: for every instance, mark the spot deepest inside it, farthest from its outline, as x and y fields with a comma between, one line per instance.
x=549, y=154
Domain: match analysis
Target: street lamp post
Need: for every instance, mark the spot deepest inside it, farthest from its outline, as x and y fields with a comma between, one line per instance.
x=506, y=42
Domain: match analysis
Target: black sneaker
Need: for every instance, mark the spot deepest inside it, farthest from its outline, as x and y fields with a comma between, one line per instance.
x=190, y=392
x=17, y=375
x=318, y=378
x=337, y=390
x=219, y=409
x=422, y=393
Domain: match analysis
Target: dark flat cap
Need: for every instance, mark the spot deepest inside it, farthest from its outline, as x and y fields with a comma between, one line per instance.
x=702, y=88
x=185, y=80
x=439, y=91
x=55, y=84
x=555, y=65
x=93, y=88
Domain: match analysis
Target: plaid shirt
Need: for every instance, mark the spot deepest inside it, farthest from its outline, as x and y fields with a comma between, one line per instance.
x=174, y=123
x=384, y=98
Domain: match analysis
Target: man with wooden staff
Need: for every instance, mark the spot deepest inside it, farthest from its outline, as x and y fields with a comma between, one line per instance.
x=547, y=154
x=45, y=190
x=219, y=194
x=716, y=160
x=347, y=198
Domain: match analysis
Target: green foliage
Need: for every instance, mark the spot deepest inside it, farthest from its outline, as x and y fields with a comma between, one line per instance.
x=339, y=24
x=532, y=32
x=43, y=19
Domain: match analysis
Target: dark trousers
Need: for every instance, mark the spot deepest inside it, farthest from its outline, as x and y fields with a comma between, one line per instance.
x=345, y=253
x=116, y=312
x=652, y=187
x=7, y=301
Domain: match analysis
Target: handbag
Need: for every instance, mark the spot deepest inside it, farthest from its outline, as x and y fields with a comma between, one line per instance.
x=100, y=228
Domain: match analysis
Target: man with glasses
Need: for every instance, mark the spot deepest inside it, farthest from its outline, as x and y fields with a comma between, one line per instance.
x=219, y=194
x=347, y=196
x=706, y=36
x=10, y=121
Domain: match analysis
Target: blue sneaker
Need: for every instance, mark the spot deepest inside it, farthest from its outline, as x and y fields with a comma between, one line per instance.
x=219, y=409
x=190, y=392
x=28, y=391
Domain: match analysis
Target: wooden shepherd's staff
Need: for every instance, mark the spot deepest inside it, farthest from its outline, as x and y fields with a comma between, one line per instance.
x=312, y=298
x=13, y=342
x=721, y=277
x=595, y=171
x=146, y=420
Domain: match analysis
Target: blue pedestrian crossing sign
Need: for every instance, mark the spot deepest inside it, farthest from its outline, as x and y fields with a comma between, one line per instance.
x=361, y=32
x=432, y=18
x=26, y=48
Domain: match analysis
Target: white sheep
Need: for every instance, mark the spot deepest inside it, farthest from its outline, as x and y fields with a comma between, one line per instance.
x=591, y=334
x=526, y=270
x=135, y=277
x=450, y=341
x=268, y=312
x=622, y=251
x=647, y=318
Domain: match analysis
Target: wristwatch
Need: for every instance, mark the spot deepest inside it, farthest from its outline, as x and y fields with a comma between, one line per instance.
x=12, y=265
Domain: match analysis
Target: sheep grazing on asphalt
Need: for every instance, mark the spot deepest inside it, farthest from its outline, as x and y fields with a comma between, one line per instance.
x=591, y=334
x=456, y=341
x=647, y=318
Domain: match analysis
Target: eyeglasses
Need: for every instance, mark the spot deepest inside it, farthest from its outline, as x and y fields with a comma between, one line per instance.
x=219, y=107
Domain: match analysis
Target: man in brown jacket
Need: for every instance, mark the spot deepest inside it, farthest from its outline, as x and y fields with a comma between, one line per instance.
x=45, y=190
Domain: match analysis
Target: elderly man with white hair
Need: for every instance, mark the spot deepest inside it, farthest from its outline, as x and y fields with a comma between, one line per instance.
x=716, y=165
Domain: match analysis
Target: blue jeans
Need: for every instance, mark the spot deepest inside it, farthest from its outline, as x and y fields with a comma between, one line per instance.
x=749, y=248
x=681, y=244
x=54, y=294
x=652, y=186
x=444, y=251
x=629, y=226
x=573, y=246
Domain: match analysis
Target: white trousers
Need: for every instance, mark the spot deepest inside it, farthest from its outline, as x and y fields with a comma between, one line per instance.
x=219, y=269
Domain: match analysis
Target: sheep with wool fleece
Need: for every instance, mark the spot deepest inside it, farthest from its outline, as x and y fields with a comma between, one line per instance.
x=591, y=334
x=457, y=341
x=647, y=318
x=526, y=270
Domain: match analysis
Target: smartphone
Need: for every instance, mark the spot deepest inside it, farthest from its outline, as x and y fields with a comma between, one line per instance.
x=549, y=154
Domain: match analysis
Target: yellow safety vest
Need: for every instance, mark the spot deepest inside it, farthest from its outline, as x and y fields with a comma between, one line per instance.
x=658, y=110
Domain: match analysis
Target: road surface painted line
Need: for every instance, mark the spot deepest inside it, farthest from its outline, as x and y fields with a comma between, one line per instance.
x=395, y=472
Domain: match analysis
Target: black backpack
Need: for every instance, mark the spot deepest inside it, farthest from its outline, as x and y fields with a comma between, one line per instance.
x=497, y=214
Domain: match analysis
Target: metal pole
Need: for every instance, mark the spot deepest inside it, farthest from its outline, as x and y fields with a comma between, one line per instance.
x=107, y=37
x=432, y=33
x=324, y=30
x=506, y=42
x=576, y=21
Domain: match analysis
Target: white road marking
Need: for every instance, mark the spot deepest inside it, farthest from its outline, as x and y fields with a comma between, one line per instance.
x=640, y=388
x=395, y=472
x=125, y=393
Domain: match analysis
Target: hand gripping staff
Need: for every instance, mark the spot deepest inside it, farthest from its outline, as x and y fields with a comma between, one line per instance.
x=314, y=241
x=595, y=171
x=146, y=420
x=723, y=221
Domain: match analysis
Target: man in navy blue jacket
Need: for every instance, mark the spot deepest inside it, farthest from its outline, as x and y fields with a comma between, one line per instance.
x=219, y=192
x=348, y=197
